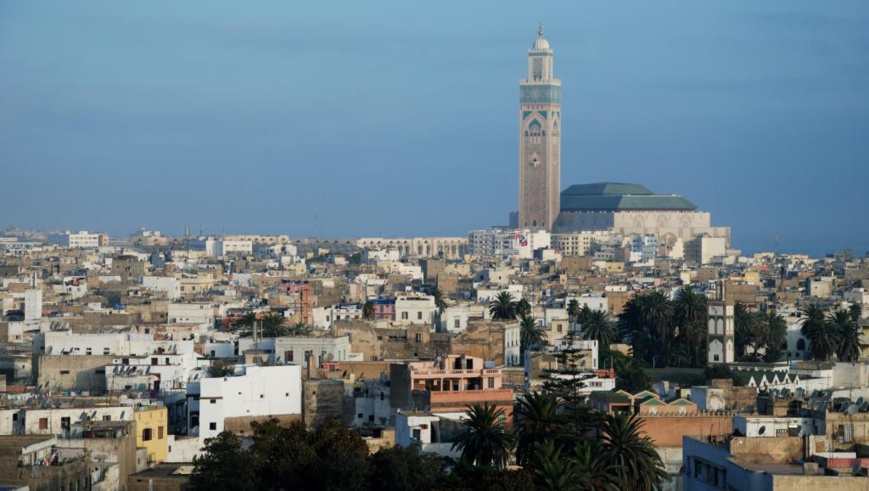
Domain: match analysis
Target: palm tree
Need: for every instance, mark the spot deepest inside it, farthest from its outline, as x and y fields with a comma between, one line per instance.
x=630, y=458
x=523, y=308
x=815, y=329
x=856, y=312
x=299, y=329
x=552, y=472
x=744, y=323
x=484, y=440
x=850, y=346
x=245, y=320
x=572, y=310
x=591, y=474
x=273, y=325
x=657, y=312
x=600, y=328
x=584, y=313
x=503, y=307
x=440, y=303
x=775, y=330
x=368, y=310
x=536, y=419
x=531, y=335
x=689, y=307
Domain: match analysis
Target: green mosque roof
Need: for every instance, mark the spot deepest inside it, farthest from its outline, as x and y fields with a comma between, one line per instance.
x=616, y=196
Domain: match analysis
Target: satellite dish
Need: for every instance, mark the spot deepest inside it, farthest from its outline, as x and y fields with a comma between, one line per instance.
x=762, y=430
x=785, y=392
x=859, y=401
x=815, y=393
x=829, y=395
x=800, y=392
x=775, y=392
x=864, y=407
x=852, y=409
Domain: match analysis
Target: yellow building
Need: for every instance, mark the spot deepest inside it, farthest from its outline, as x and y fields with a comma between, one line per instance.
x=152, y=432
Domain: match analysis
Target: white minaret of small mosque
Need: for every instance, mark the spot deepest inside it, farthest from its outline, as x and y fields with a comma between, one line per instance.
x=539, y=140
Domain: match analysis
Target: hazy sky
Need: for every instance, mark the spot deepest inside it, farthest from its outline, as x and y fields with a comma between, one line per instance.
x=400, y=118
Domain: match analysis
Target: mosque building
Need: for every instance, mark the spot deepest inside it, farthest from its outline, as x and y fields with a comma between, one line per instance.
x=607, y=206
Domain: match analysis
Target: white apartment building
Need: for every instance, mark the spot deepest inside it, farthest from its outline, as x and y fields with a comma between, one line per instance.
x=257, y=392
x=594, y=302
x=582, y=243
x=117, y=344
x=701, y=250
x=80, y=240
x=168, y=284
x=191, y=313
x=325, y=317
x=298, y=349
x=455, y=318
x=486, y=295
x=415, y=309
x=508, y=242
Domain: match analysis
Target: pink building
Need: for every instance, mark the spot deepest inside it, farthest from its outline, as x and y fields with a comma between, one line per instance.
x=449, y=385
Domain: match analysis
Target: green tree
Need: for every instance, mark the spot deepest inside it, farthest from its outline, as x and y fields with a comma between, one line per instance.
x=551, y=470
x=630, y=457
x=224, y=465
x=600, y=328
x=299, y=329
x=523, y=308
x=850, y=346
x=440, y=303
x=531, y=335
x=405, y=469
x=328, y=457
x=573, y=310
x=775, y=331
x=221, y=367
x=484, y=439
x=503, y=307
x=368, y=310
x=273, y=325
x=536, y=419
x=591, y=473
x=815, y=329
x=744, y=328
x=855, y=311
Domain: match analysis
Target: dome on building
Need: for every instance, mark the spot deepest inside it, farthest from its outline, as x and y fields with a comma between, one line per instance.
x=616, y=196
x=541, y=44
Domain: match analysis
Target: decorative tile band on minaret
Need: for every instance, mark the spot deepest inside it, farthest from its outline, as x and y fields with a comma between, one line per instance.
x=539, y=140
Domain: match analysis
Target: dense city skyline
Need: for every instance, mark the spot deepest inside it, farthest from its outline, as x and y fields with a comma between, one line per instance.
x=397, y=120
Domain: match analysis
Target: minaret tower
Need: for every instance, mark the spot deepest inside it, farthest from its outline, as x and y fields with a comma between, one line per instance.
x=539, y=140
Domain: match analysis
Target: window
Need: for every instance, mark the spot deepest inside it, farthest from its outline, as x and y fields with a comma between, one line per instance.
x=64, y=372
x=404, y=316
x=43, y=423
x=64, y=423
x=106, y=351
x=289, y=355
x=153, y=361
x=491, y=382
x=147, y=434
x=716, y=357
x=107, y=417
x=212, y=401
x=159, y=432
x=212, y=426
x=458, y=323
x=418, y=337
x=419, y=315
x=88, y=351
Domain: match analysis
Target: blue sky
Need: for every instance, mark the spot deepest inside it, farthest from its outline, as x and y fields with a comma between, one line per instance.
x=399, y=118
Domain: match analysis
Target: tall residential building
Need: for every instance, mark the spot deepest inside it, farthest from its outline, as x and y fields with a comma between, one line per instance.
x=539, y=140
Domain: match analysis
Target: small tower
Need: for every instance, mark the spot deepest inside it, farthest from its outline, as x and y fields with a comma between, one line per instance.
x=720, y=343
